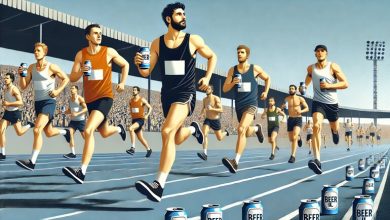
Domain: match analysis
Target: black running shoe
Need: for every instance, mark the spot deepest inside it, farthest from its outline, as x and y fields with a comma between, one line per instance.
x=70, y=156
x=292, y=159
x=230, y=164
x=198, y=132
x=131, y=151
x=152, y=191
x=272, y=157
x=123, y=132
x=32, y=125
x=148, y=152
x=309, y=152
x=300, y=141
x=335, y=137
x=67, y=135
x=315, y=165
x=277, y=148
x=2, y=157
x=227, y=132
x=26, y=164
x=348, y=149
x=202, y=156
x=259, y=133
x=75, y=174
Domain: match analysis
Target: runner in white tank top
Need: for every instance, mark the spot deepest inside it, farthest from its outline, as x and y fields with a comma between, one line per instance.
x=327, y=78
x=348, y=133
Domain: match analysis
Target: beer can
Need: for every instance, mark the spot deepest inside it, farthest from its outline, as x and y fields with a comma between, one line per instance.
x=24, y=69
x=374, y=173
x=368, y=186
x=145, y=52
x=329, y=200
x=362, y=208
x=302, y=88
x=361, y=165
x=349, y=173
x=211, y=211
x=382, y=164
x=252, y=210
x=309, y=209
x=322, y=80
x=175, y=213
x=87, y=63
x=240, y=78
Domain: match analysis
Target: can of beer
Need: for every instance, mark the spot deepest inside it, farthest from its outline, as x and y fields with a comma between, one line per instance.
x=362, y=208
x=252, y=210
x=240, y=78
x=145, y=53
x=368, y=186
x=361, y=165
x=322, y=80
x=286, y=105
x=302, y=88
x=374, y=173
x=349, y=173
x=24, y=69
x=211, y=211
x=329, y=200
x=382, y=164
x=309, y=209
x=175, y=213
x=87, y=63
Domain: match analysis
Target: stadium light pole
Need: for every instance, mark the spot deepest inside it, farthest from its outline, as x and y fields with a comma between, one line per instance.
x=375, y=52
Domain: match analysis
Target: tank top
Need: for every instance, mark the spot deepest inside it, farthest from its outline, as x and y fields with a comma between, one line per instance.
x=43, y=83
x=10, y=98
x=273, y=118
x=76, y=107
x=177, y=67
x=348, y=127
x=309, y=130
x=327, y=96
x=246, y=95
x=99, y=84
x=137, y=109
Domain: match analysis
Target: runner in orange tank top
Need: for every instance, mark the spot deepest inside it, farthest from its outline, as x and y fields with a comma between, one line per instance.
x=138, y=118
x=98, y=93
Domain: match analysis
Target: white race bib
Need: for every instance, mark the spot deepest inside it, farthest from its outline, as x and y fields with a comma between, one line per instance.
x=96, y=75
x=245, y=87
x=271, y=118
x=135, y=110
x=174, y=67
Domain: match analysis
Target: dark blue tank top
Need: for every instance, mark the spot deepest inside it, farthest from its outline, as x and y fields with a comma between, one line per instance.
x=177, y=69
x=246, y=95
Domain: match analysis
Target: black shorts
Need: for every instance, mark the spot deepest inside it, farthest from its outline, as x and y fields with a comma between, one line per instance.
x=214, y=124
x=102, y=105
x=378, y=138
x=330, y=111
x=372, y=134
x=348, y=133
x=367, y=136
x=308, y=137
x=12, y=116
x=189, y=99
x=46, y=107
x=77, y=125
x=140, y=122
x=251, y=109
x=293, y=122
x=272, y=129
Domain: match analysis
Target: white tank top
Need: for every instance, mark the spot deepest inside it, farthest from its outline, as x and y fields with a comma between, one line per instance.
x=348, y=127
x=10, y=98
x=309, y=130
x=76, y=107
x=327, y=96
x=43, y=83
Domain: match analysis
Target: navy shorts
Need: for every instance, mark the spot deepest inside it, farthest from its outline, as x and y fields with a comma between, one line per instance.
x=189, y=99
x=348, y=133
x=12, y=116
x=293, y=122
x=46, y=107
x=272, y=129
x=77, y=125
x=140, y=122
x=102, y=105
x=309, y=137
x=330, y=111
x=215, y=124
x=372, y=134
x=251, y=109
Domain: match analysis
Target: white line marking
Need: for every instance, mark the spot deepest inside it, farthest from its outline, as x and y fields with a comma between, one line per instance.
x=64, y=215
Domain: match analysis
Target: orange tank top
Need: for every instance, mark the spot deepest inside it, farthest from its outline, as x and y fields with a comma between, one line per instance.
x=99, y=84
x=136, y=108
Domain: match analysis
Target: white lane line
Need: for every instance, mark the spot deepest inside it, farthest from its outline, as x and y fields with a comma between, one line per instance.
x=64, y=215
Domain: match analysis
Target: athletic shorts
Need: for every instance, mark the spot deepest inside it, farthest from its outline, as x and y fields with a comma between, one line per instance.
x=214, y=124
x=372, y=134
x=330, y=111
x=308, y=137
x=77, y=125
x=140, y=122
x=348, y=133
x=102, y=105
x=12, y=116
x=378, y=137
x=249, y=109
x=293, y=122
x=189, y=99
x=46, y=107
x=272, y=129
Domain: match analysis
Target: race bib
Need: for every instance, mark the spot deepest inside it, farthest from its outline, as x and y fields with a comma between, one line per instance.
x=271, y=118
x=174, y=67
x=96, y=75
x=245, y=87
x=135, y=110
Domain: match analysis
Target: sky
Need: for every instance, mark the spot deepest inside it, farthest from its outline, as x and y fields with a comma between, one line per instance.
x=281, y=34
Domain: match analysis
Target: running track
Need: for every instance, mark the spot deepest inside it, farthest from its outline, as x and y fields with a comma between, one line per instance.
x=109, y=192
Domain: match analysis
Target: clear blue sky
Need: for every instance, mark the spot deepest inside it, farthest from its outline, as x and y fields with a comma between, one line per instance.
x=281, y=34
